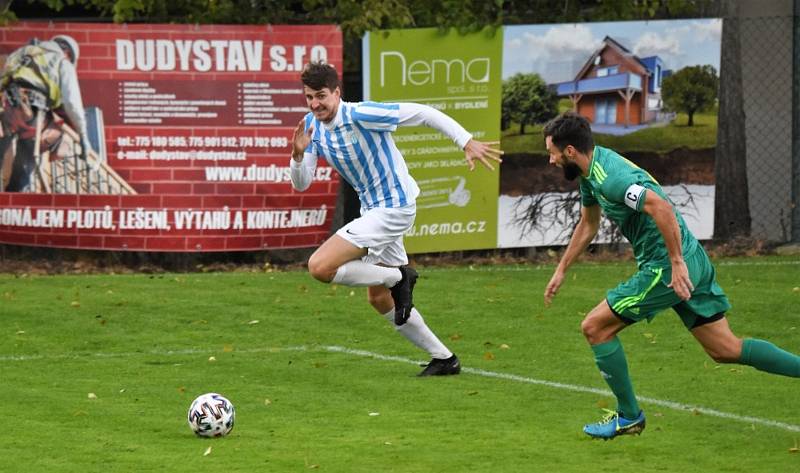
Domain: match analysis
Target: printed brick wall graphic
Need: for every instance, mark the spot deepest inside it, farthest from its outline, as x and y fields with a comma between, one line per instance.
x=198, y=121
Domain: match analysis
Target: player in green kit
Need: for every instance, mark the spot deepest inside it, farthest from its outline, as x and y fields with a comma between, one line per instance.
x=673, y=270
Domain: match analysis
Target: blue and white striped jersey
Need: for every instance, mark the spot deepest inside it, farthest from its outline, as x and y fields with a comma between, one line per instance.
x=358, y=143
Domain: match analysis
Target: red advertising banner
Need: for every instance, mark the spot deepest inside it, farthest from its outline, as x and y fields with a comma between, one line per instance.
x=188, y=137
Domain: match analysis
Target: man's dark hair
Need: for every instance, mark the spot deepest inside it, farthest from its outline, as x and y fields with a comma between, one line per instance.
x=317, y=75
x=569, y=128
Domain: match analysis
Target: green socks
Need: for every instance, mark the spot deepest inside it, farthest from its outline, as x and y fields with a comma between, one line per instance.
x=764, y=356
x=610, y=359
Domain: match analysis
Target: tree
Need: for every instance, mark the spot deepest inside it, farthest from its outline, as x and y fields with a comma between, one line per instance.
x=354, y=16
x=690, y=90
x=527, y=100
x=731, y=201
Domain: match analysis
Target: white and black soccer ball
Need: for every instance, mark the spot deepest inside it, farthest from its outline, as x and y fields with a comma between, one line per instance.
x=211, y=415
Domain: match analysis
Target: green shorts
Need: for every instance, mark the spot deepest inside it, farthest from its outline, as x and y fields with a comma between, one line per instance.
x=646, y=293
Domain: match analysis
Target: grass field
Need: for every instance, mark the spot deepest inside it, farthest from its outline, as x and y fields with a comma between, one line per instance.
x=655, y=139
x=321, y=383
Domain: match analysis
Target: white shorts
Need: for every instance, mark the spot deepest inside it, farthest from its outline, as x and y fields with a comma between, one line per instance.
x=381, y=231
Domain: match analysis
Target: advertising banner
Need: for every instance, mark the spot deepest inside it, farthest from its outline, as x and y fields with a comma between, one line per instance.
x=459, y=75
x=648, y=90
x=187, y=137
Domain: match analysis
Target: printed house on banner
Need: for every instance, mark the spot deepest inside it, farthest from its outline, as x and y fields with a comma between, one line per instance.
x=615, y=87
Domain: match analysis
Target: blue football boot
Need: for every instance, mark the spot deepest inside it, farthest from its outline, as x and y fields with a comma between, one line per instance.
x=614, y=424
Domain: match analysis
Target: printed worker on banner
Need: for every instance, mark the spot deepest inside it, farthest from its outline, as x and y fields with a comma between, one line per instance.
x=39, y=92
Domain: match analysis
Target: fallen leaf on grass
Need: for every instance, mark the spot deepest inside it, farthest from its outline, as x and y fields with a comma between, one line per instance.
x=795, y=449
x=92, y=396
x=253, y=322
x=75, y=304
x=488, y=356
x=207, y=452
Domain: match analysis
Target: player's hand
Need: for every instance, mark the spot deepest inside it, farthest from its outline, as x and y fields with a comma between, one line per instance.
x=681, y=283
x=552, y=287
x=300, y=140
x=483, y=152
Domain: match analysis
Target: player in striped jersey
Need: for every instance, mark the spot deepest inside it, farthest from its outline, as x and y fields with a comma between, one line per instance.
x=356, y=139
x=673, y=270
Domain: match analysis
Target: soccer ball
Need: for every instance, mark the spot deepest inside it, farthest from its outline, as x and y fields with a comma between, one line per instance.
x=211, y=415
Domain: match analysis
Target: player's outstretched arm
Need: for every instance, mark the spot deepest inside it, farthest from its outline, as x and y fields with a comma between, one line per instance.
x=584, y=233
x=414, y=114
x=485, y=152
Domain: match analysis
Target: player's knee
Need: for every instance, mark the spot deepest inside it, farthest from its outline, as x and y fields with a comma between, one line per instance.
x=591, y=331
x=319, y=270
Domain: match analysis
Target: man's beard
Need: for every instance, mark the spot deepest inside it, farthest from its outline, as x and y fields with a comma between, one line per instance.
x=571, y=171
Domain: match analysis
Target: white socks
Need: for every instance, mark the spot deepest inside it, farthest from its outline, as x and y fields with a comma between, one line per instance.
x=420, y=335
x=359, y=273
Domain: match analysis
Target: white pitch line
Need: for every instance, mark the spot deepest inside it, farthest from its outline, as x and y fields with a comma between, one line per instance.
x=583, y=389
x=188, y=351
x=378, y=356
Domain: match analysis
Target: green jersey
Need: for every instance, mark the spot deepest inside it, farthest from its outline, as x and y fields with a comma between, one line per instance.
x=620, y=188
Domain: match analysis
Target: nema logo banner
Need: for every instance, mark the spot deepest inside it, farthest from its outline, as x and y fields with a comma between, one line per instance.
x=434, y=71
